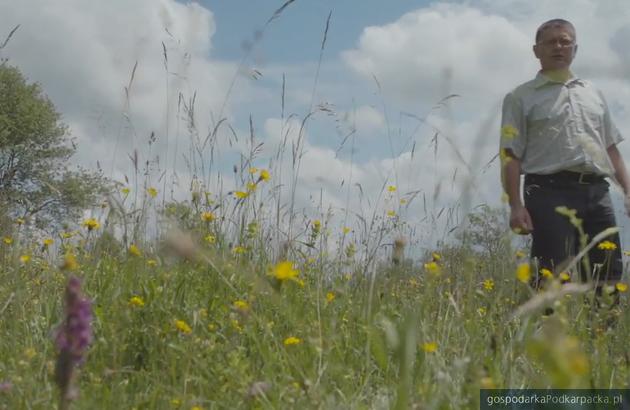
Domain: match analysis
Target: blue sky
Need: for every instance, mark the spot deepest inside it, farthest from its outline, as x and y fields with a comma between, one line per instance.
x=294, y=39
x=297, y=35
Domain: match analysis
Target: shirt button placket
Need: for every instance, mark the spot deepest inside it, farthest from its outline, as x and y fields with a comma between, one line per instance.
x=575, y=127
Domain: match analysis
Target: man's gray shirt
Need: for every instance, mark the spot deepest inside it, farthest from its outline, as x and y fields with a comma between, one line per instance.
x=553, y=126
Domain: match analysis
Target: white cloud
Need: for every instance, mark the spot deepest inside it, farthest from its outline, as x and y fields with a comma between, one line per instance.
x=84, y=55
x=432, y=52
x=365, y=119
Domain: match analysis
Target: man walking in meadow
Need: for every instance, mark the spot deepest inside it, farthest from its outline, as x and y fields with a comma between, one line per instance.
x=557, y=131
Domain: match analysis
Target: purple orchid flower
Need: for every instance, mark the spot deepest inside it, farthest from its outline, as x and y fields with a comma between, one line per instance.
x=72, y=338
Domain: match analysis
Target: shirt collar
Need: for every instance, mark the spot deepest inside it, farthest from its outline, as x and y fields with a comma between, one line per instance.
x=542, y=80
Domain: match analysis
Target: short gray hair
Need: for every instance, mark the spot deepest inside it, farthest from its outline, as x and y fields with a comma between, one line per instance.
x=552, y=23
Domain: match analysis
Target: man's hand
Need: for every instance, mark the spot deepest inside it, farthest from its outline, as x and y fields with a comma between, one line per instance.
x=521, y=222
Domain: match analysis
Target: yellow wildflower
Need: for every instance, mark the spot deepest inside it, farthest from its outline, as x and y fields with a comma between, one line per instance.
x=391, y=213
x=210, y=239
x=578, y=361
x=482, y=311
x=523, y=272
x=520, y=254
x=125, y=191
x=621, y=287
x=391, y=188
x=134, y=250
x=47, y=242
x=183, y=327
x=264, y=175
x=509, y=132
x=345, y=230
x=7, y=240
x=241, y=194
x=67, y=235
x=429, y=347
x=565, y=277
x=196, y=408
x=20, y=221
x=403, y=201
x=432, y=267
x=69, y=262
x=241, y=305
x=253, y=170
x=29, y=353
x=607, y=246
x=330, y=296
x=152, y=192
x=25, y=259
x=91, y=224
x=504, y=156
x=251, y=186
x=292, y=340
x=207, y=216
x=546, y=273
x=284, y=271
x=579, y=364
x=152, y=262
x=236, y=325
x=488, y=284
x=487, y=383
x=239, y=250
x=436, y=257
x=136, y=301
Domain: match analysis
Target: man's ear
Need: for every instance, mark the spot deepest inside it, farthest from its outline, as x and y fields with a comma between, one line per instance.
x=536, y=51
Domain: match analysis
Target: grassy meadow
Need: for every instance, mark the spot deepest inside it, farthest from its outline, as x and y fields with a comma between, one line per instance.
x=211, y=316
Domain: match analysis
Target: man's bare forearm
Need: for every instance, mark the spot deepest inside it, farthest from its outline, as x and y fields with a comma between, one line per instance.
x=512, y=180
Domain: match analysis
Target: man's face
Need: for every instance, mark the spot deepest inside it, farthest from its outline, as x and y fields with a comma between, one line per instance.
x=556, y=48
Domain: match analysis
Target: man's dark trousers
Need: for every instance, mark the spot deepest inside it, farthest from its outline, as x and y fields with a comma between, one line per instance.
x=555, y=239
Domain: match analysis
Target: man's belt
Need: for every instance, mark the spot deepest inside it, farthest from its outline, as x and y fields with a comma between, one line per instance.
x=565, y=177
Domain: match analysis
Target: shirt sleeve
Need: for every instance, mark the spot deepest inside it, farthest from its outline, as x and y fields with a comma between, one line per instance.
x=611, y=135
x=513, y=126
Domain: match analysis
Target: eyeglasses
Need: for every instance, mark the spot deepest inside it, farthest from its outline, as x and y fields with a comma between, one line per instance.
x=562, y=43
